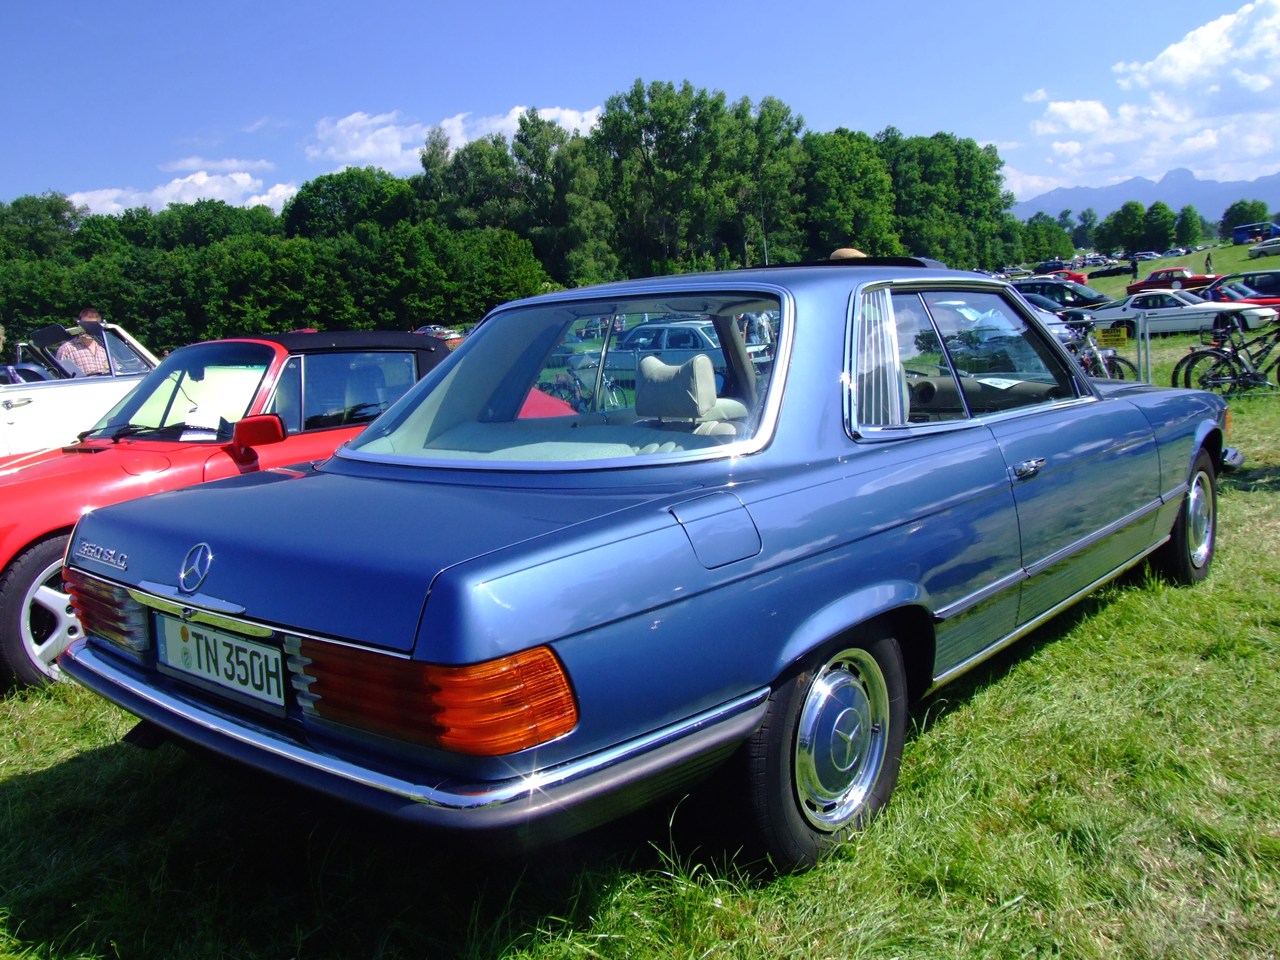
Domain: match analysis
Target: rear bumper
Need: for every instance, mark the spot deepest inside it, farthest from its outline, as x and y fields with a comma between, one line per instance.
x=550, y=804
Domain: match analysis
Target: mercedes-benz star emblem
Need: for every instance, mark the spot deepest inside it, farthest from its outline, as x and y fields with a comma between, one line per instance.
x=195, y=567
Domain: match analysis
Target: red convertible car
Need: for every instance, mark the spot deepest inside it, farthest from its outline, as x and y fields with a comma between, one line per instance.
x=198, y=416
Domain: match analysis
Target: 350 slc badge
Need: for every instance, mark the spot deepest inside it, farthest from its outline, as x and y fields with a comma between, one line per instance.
x=94, y=551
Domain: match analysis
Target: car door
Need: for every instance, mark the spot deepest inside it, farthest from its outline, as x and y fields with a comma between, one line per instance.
x=1084, y=472
x=959, y=537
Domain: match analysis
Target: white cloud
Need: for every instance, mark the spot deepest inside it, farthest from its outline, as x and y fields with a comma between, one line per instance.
x=1072, y=116
x=361, y=139
x=1207, y=102
x=1024, y=185
x=389, y=141
x=196, y=164
x=386, y=140
x=239, y=189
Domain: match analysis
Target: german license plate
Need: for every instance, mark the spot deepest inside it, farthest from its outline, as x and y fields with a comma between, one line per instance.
x=233, y=663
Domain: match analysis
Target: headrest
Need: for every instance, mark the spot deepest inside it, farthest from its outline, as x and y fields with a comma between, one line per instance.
x=667, y=392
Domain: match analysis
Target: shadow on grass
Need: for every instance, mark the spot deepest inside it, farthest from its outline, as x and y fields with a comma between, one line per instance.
x=121, y=851
x=1263, y=477
x=124, y=852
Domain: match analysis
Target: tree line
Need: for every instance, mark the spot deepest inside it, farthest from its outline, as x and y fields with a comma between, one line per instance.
x=672, y=179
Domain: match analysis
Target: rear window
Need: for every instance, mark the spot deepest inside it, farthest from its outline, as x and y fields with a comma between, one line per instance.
x=587, y=383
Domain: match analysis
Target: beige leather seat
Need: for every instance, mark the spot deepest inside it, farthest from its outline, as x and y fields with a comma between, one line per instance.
x=684, y=397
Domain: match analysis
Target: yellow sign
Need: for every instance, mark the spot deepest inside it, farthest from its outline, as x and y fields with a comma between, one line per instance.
x=1116, y=337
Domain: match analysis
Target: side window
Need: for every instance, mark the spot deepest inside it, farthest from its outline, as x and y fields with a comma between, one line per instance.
x=1001, y=360
x=682, y=340
x=342, y=389
x=287, y=399
x=931, y=383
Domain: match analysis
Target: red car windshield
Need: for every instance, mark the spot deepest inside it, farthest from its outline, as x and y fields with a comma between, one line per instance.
x=196, y=394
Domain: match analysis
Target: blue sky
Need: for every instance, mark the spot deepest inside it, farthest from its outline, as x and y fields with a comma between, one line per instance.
x=139, y=102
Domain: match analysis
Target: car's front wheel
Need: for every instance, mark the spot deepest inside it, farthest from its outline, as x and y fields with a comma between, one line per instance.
x=827, y=755
x=36, y=620
x=1187, y=555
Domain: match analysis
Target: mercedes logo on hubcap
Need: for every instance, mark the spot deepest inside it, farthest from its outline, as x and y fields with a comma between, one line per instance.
x=195, y=567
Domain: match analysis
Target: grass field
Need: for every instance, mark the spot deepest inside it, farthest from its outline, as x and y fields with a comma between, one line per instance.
x=1109, y=787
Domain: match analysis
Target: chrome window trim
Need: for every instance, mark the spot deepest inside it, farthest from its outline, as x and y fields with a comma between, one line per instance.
x=765, y=428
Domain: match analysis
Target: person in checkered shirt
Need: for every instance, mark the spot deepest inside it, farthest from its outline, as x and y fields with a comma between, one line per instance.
x=85, y=351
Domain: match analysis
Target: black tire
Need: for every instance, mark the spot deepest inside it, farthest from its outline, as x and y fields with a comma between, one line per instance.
x=1179, y=376
x=1118, y=368
x=1186, y=556
x=1213, y=370
x=36, y=621
x=827, y=756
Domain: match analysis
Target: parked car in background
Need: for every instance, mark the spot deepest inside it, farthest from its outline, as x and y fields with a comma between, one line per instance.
x=527, y=626
x=54, y=400
x=1046, y=311
x=673, y=342
x=1048, y=266
x=1074, y=276
x=1112, y=270
x=1176, y=311
x=1066, y=293
x=215, y=409
x=1238, y=293
x=1265, y=282
x=450, y=336
x=1171, y=278
x=1267, y=248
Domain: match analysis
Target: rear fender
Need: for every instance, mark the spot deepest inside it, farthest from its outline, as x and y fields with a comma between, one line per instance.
x=866, y=604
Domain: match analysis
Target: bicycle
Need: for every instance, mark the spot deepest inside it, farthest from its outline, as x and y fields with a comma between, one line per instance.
x=570, y=388
x=1228, y=362
x=1095, y=361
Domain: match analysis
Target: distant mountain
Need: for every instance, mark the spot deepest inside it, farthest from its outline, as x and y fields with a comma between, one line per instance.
x=1177, y=188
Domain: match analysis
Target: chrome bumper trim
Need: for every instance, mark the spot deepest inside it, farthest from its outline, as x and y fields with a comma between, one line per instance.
x=273, y=752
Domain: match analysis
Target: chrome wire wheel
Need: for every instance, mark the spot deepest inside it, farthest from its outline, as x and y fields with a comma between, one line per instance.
x=841, y=738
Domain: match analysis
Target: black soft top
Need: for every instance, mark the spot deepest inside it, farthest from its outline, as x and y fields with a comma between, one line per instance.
x=429, y=351
x=325, y=340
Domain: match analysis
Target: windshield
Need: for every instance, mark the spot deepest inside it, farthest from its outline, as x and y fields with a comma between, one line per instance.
x=591, y=381
x=197, y=394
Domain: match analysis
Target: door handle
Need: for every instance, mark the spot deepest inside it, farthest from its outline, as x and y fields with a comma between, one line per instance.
x=11, y=404
x=1028, y=468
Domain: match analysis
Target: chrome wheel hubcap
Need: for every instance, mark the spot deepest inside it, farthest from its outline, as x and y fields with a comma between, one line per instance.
x=841, y=738
x=1199, y=520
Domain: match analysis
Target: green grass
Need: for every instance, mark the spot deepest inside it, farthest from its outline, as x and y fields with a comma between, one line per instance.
x=1109, y=787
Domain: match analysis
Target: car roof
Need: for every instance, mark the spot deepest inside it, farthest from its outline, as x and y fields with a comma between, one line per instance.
x=322, y=341
x=819, y=273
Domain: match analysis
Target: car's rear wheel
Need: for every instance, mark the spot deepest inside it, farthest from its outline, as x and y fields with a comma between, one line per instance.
x=827, y=756
x=1187, y=555
x=36, y=620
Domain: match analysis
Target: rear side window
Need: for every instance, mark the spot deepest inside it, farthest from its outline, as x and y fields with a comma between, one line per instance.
x=937, y=356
